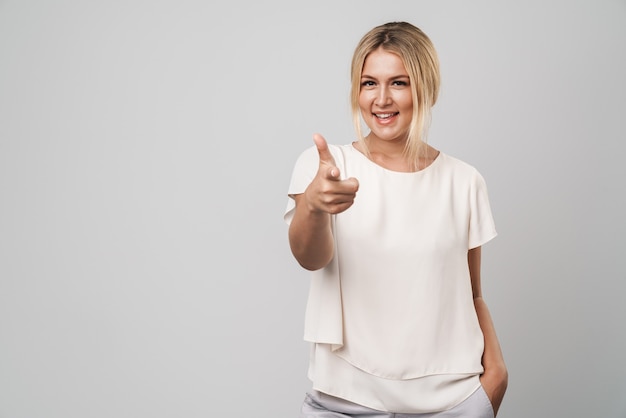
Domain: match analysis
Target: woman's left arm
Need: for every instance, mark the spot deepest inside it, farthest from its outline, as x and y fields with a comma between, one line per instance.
x=495, y=377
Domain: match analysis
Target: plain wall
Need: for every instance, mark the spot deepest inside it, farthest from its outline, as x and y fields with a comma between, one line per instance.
x=145, y=152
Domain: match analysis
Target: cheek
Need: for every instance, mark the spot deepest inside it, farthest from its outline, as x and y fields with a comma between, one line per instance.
x=406, y=101
x=363, y=101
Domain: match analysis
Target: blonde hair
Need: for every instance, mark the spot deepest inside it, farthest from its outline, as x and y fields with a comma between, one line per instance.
x=418, y=54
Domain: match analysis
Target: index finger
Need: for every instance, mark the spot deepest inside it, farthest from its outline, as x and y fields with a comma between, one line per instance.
x=322, y=149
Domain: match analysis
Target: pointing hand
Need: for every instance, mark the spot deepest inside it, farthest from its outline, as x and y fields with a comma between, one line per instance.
x=327, y=192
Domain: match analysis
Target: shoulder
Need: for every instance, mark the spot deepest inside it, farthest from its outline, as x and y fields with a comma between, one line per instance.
x=462, y=172
x=458, y=166
x=455, y=163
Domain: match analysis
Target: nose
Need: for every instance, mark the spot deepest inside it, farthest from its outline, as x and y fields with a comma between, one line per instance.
x=383, y=97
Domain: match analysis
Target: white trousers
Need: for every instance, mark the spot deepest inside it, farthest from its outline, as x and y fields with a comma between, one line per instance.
x=321, y=405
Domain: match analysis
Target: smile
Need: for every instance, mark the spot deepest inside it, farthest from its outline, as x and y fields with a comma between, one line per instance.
x=385, y=115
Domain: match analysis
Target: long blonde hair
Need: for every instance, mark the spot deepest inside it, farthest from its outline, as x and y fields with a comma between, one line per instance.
x=418, y=54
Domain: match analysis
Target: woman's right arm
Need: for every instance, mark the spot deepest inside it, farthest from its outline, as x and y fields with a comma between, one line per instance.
x=310, y=236
x=310, y=232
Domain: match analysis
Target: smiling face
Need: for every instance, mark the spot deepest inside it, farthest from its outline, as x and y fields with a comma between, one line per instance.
x=385, y=97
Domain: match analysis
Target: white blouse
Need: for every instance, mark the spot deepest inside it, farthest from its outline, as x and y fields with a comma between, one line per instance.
x=391, y=318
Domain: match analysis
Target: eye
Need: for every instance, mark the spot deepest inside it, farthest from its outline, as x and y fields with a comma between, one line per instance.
x=367, y=83
x=400, y=83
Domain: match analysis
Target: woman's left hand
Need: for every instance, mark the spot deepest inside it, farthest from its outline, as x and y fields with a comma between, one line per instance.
x=494, y=381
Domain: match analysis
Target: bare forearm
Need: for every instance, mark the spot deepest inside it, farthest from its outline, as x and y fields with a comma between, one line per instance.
x=311, y=239
x=495, y=377
x=492, y=356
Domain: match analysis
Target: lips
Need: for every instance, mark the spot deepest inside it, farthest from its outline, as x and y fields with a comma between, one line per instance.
x=384, y=116
x=384, y=119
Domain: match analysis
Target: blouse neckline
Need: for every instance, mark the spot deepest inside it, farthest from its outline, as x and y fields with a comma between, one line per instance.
x=394, y=172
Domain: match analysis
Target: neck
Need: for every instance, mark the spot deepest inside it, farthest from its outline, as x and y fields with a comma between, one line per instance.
x=390, y=148
x=392, y=155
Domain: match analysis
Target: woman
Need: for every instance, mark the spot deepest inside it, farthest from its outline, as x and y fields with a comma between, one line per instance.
x=392, y=230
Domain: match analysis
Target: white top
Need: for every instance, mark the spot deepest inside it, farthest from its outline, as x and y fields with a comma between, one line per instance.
x=392, y=317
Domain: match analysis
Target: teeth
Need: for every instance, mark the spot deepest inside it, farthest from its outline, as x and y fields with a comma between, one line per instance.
x=384, y=115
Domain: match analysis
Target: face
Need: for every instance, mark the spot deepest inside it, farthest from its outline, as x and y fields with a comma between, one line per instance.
x=385, y=97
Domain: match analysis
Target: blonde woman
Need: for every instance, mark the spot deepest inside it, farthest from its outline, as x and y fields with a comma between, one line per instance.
x=392, y=230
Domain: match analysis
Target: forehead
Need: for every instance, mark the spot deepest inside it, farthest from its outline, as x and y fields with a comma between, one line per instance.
x=383, y=62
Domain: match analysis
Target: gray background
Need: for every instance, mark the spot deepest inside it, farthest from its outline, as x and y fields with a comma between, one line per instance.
x=145, y=152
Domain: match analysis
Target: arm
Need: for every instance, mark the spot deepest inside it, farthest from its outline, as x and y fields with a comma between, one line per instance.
x=495, y=377
x=310, y=232
x=310, y=235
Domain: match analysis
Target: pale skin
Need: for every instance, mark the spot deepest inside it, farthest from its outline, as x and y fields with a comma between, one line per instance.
x=386, y=105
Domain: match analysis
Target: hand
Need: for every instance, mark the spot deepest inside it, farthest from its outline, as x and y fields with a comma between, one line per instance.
x=327, y=192
x=495, y=383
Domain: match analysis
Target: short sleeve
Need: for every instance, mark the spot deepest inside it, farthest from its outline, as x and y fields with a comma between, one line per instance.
x=482, y=227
